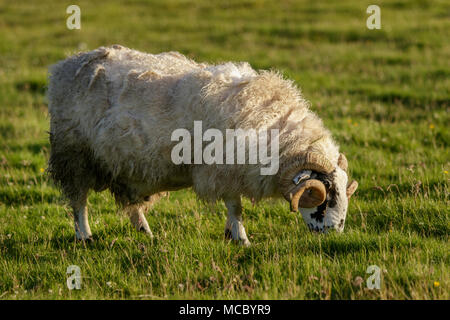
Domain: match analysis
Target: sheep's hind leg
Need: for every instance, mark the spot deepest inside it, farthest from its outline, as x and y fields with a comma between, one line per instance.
x=80, y=215
x=137, y=212
x=234, y=228
x=137, y=218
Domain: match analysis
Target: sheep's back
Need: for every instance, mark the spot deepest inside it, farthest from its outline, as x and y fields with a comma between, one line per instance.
x=116, y=100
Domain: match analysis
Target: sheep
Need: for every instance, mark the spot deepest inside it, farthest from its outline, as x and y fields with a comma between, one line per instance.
x=113, y=110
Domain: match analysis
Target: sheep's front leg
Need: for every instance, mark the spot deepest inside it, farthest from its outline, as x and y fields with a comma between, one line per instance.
x=137, y=218
x=80, y=215
x=234, y=228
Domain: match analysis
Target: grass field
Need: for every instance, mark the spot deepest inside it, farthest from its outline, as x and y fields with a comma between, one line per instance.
x=383, y=93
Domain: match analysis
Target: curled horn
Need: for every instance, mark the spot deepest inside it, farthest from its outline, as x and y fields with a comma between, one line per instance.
x=315, y=198
x=316, y=190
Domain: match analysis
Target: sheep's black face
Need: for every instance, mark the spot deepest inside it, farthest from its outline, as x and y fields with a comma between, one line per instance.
x=332, y=212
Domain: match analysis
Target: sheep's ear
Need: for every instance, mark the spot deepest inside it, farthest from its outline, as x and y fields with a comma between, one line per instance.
x=342, y=162
x=351, y=188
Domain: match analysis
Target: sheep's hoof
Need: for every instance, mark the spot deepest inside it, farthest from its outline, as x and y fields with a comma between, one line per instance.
x=147, y=232
x=242, y=242
x=86, y=240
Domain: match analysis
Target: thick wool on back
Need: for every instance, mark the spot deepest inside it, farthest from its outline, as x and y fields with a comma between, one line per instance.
x=114, y=110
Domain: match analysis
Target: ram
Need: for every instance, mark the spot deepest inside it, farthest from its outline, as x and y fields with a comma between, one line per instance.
x=113, y=111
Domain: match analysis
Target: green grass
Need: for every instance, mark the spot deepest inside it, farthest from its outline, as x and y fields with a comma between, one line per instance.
x=383, y=93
